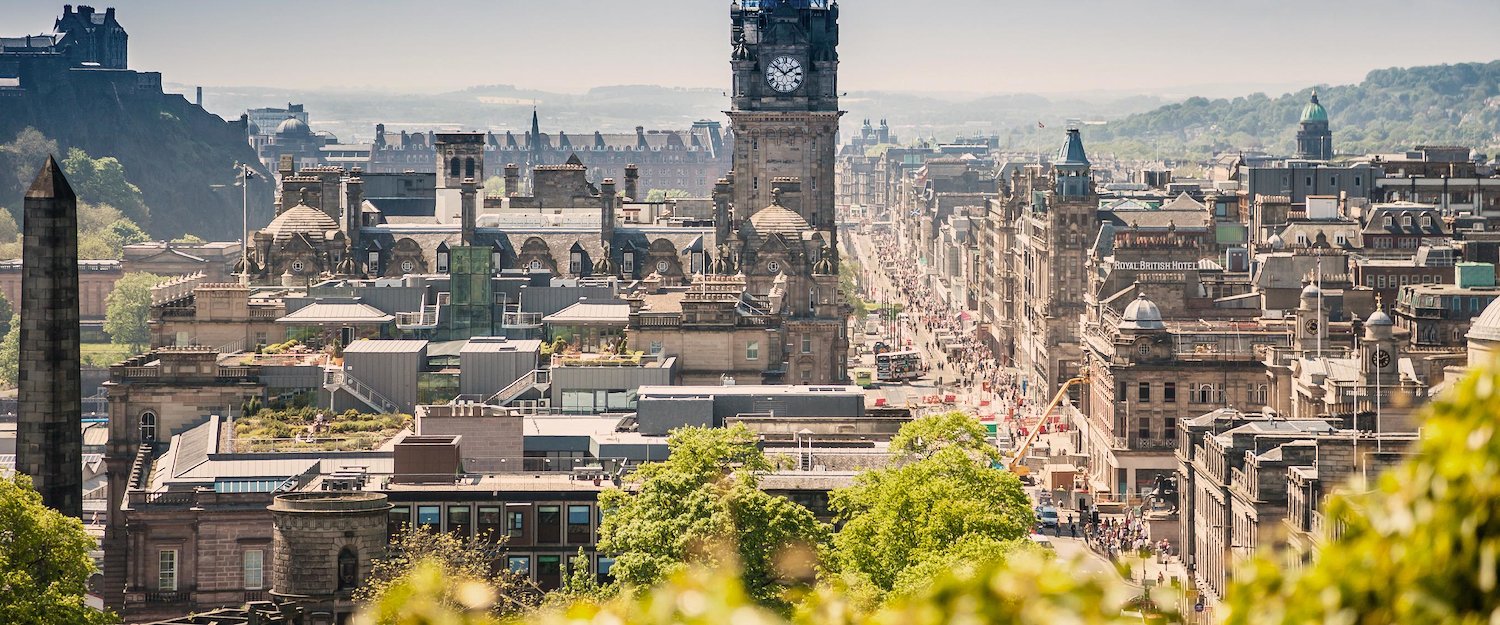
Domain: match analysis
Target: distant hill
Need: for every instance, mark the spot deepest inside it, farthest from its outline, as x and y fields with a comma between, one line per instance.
x=180, y=156
x=1391, y=109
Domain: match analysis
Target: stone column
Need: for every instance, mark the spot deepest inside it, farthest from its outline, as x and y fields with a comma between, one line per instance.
x=49, y=441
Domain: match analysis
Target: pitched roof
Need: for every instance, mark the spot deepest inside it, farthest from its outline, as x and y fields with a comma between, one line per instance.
x=337, y=312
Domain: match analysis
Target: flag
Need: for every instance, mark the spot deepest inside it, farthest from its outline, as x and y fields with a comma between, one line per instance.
x=1040, y=125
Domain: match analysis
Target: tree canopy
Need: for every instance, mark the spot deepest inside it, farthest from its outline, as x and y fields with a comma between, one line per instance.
x=662, y=195
x=469, y=559
x=925, y=436
x=102, y=181
x=703, y=504
x=127, y=309
x=897, y=518
x=44, y=560
x=10, y=353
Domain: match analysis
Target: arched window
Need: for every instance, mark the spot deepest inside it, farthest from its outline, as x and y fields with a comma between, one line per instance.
x=148, y=427
x=453, y=167
x=348, y=569
x=469, y=167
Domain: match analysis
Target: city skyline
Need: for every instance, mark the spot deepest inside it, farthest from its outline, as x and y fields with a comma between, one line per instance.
x=1166, y=48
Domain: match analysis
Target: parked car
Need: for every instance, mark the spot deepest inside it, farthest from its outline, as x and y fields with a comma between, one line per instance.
x=1043, y=541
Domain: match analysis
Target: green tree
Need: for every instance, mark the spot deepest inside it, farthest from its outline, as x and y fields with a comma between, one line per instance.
x=703, y=504
x=896, y=518
x=26, y=154
x=925, y=436
x=10, y=353
x=6, y=312
x=188, y=239
x=494, y=185
x=102, y=181
x=662, y=195
x=44, y=560
x=9, y=230
x=128, y=308
x=1425, y=539
x=103, y=232
x=465, y=558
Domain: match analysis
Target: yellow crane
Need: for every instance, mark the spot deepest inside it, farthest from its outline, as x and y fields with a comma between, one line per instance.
x=1015, y=461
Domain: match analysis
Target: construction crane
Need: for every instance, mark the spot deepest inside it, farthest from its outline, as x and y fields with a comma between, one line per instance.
x=1015, y=462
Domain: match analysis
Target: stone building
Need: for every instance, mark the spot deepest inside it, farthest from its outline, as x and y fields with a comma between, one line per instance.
x=82, y=37
x=214, y=259
x=1148, y=373
x=231, y=317
x=96, y=279
x=324, y=545
x=1057, y=223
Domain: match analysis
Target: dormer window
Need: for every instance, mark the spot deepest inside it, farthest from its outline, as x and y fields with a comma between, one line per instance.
x=1387, y=221
x=1406, y=221
x=442, y=261
x=1427, y=221
x=575, y=263
x=627, y=263
x=373, y=261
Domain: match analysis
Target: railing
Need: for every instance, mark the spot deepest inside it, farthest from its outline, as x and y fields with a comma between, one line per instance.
x=142, y=372
x=521, y=320
x=514, y=389
x=258, y=312
x=256, y=595
x=340, y=379
x=427, y=318
x=176, y=596
x=177, y=313
x=166, y=498
x=234, y=373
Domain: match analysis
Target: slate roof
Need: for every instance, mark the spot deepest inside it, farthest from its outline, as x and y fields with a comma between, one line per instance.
x=337, y=312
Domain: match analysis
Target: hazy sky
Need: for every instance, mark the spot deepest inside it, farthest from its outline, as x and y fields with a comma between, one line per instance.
x=1042, y=46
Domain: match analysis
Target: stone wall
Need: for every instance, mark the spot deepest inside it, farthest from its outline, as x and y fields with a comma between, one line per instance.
x=312, y=529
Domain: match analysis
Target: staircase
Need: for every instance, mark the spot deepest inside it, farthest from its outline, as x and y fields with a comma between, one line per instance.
x=336, y=379
x=537, y=378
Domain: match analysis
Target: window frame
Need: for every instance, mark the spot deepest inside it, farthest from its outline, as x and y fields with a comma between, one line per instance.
x=259, y=569
x=167, y=569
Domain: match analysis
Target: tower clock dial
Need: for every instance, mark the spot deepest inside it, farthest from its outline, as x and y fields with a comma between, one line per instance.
x=1380, y=358
x=1312, y=326
x=784, y=74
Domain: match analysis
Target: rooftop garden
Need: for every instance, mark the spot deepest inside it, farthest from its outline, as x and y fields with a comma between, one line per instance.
x=310, y=428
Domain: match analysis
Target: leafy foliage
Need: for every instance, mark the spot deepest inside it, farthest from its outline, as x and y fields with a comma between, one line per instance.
x=10, y=353
x=44, y=561
x=264, y=429
x=703, y=496
x=127, y=308
x=921, y=438
x=896, y=519
x=662, y=195
x=1425, y=540
x=467, y=558
x=102, y=181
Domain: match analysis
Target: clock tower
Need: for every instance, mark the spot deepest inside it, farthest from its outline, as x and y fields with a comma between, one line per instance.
x=785, y=110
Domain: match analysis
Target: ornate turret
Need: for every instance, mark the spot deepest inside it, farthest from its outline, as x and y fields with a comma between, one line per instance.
x=1314, y=139
x=1072, y=168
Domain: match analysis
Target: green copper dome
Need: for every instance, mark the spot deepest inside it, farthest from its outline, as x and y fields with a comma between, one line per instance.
x=1314, y=112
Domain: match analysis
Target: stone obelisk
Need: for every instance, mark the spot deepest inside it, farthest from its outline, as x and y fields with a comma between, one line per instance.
x=49, y=439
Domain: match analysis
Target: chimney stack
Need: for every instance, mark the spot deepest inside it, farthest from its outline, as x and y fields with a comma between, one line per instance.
x=468, y=209
x=512, y=179
x=632, y=182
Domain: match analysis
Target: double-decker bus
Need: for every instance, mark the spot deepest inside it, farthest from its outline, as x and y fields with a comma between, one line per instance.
x=898, y=366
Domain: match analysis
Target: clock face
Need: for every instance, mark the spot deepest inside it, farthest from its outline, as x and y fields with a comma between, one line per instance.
x=1380, y=358
x=784, y=74
x=1312, y=326
x=773, y=267
x=407, y=266
x=297, y=266
x=661, y=266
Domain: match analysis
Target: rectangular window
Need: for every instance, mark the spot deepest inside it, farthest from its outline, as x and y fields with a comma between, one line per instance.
x=549, y=572
x=430, y=517
x=807, y=343
x=397, y=520
x=1169, y=392
x=1171, y=427
x=627, y=263
x=578, y=525
x=1143, y=392
x=656, y=347
x=488, y=526
x=255, y=570
x=1143, y=428
x=752, y=350
x=460, y=520
x=548, y=524
x=520, y=565
x=515, y=523
x=166, y=572
x=605, y=564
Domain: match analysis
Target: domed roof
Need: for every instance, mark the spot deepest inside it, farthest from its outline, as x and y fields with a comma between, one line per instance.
x=1142, y=314
x=1379, y=318
x=301, y=219
x=1314, y=112
x=1486, y=327
x=292, y=126
x=1276, y=242
x=1311, y=291
x=778, y=219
